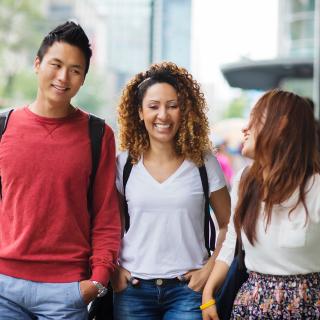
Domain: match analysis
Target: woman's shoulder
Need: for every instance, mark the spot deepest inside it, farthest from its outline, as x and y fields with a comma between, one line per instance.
x=122, y=155
x=122, y=158
x=210, y=159
x=314, y=183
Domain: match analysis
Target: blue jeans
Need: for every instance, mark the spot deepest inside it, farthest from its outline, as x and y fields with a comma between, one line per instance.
x=28, y=300
x=147, y=300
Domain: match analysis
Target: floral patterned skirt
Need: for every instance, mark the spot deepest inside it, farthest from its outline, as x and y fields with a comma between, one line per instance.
x=278, y=297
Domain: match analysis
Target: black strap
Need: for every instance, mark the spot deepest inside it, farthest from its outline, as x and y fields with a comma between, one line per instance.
x=126, y=173
x=96, y=132
x=4, y=116
x=239, y=250
x=209, y=228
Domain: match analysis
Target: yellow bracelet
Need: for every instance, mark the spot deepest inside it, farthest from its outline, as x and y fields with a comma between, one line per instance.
x=208, y=304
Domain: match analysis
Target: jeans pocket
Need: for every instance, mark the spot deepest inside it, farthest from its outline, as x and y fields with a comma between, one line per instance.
x=124, y=289
x=79, y=301
x=193, y=291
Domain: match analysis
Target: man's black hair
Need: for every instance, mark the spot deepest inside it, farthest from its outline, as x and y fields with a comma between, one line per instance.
x=70, y=33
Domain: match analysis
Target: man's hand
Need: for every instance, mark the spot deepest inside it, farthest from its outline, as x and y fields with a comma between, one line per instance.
x=88, y=291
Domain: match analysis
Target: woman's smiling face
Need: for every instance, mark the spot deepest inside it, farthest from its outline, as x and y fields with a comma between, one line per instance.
x=161, y=113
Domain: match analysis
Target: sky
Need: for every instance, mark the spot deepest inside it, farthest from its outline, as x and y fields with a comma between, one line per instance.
x=225, y=31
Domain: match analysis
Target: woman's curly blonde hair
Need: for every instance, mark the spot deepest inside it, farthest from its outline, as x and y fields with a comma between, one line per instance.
x=192, y=139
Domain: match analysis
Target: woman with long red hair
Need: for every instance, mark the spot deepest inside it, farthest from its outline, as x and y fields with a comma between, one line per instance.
x=276, y=214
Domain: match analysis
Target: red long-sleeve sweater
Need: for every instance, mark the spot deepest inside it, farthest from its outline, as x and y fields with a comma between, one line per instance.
x=45, y=229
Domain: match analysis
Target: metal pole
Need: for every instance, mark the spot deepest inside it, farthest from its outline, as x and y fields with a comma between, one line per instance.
x=316, y=60
x=151, y=36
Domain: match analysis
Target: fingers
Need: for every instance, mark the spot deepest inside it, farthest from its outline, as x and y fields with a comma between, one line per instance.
x=187, y=276
x=134, y=281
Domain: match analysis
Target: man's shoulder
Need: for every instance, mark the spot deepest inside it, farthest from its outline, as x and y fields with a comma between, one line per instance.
x=107, y=128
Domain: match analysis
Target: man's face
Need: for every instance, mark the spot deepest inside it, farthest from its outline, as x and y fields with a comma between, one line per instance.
x=61, y=73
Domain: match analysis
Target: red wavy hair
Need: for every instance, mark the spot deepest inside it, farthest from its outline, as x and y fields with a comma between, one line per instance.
x=285, y=157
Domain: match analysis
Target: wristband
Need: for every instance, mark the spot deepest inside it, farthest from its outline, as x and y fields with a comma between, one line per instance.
x=208, y=304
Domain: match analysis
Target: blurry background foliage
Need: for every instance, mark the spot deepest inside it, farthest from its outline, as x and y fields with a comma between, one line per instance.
x=19, y=36
x=237, y=106
x=22, y=28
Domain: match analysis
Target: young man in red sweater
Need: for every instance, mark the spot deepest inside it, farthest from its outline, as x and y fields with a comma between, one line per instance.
x=55, y=256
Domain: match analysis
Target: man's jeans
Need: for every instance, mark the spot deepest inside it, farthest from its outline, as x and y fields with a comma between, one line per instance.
x=29, y=300
x=147, y=300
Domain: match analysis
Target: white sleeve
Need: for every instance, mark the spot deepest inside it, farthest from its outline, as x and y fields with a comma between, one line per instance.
x=121, y=161
x=227, y=251
x=215, y=175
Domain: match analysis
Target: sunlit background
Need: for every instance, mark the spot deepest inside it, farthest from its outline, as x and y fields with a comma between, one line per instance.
x=236, y=49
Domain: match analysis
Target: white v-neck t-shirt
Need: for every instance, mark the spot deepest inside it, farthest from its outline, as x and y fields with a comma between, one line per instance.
x=166, y=234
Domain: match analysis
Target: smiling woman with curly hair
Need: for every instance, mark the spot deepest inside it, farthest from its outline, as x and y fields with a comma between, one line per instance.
x=192, y=139
x=164, y=136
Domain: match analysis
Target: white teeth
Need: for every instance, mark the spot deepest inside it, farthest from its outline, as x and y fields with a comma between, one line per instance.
x=60, y=88
x=162, y=126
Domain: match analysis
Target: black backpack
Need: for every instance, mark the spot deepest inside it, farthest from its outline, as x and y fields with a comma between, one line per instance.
x=96, y=132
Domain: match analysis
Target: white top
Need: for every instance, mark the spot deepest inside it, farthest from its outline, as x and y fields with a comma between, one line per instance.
x=289, y=245
x=166, y=234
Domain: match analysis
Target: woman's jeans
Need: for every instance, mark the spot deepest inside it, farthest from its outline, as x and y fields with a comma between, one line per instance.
x=28, y=300
x=159, y=299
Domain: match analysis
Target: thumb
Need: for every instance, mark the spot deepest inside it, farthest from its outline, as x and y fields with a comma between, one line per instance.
x=186, y=276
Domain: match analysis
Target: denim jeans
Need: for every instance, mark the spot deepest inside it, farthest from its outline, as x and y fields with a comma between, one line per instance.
x=28, y=300
x=147, y=300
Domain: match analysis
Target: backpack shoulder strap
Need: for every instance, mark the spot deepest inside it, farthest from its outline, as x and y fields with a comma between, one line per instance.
x=209, y=228
x=96, y=132
x=239, y=250
x=126, y=173
x=4, y=117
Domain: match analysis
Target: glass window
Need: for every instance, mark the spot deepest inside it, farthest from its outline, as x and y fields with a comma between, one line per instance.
x=302, y=5
x=302, y=29
x=302, y=87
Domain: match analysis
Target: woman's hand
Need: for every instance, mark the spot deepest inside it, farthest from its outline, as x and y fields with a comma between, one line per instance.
x=119, y=279
x=210, y=313
x=197, y=278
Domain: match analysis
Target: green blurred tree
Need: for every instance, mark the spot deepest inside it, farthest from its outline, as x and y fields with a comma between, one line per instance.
x=237, y=107
x=92, y=95
x=21, y=23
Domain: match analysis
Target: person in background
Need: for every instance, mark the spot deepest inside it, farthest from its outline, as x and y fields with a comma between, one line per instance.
x=276, y=214
x=225, y=161
x=55, y=256
x=164, y=263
